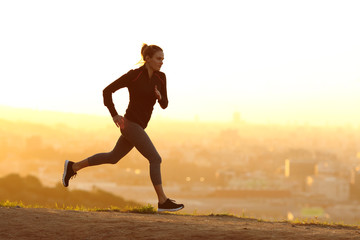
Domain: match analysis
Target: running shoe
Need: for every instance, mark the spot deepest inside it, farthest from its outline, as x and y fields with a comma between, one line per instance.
x=169, y=206
x=68, y=173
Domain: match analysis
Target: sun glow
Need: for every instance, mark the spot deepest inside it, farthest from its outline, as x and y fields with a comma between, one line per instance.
x=278, y=61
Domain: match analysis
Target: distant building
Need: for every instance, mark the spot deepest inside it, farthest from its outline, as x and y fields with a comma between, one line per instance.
x=355, y=184
x=327, y=168
x=296, y=169
x=330, y=187
x=248, y=193
x=223, y=176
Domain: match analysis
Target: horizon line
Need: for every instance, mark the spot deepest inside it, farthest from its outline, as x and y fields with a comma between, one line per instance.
x=195, y=119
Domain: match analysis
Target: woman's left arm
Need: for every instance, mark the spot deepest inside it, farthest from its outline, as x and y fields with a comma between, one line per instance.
x=164, y=98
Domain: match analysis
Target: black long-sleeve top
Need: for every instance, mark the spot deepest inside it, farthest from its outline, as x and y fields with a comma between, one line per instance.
x=141, y=93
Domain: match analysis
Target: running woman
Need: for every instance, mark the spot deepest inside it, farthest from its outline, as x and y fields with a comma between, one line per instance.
x=146, y=84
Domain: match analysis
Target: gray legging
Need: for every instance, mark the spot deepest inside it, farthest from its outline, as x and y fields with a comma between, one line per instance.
x=133, y=135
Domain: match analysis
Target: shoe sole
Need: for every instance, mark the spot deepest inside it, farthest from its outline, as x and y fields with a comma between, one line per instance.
x=65, y=171
x=170, y=210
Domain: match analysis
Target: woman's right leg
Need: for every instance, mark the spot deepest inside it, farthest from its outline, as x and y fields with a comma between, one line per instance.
x=136, y=135
x=121, y=148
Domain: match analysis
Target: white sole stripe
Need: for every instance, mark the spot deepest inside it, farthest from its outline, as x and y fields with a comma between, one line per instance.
x=169, y=210
x=65, y=171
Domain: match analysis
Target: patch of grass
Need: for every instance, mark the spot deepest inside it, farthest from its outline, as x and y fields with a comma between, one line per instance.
x=222, y=215
x=110, y=209
x=69, y=207
x=143, y=209
x=7, y=203
x=149, y=209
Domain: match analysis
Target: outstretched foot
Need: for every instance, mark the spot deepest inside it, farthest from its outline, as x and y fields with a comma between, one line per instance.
x=68, y=173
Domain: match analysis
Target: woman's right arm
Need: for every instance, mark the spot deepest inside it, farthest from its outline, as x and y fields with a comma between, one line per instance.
x=121, y=82
x=119, y=121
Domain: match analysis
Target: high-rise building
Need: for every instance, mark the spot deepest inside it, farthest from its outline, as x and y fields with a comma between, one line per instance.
x=355, y=184
x=300, y=168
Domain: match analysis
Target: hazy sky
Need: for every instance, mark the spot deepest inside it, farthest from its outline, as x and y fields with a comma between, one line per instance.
x=272, y=61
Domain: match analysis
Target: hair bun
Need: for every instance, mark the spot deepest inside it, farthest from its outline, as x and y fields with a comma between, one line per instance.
x=143, y=49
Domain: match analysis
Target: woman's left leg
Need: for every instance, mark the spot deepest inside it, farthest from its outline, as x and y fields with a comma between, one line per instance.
x=121, y=148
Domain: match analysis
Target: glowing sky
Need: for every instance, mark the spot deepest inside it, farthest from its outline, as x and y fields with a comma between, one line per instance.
x=272, y=61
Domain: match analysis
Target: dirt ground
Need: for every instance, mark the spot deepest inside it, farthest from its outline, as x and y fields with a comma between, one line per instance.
x=42, y=223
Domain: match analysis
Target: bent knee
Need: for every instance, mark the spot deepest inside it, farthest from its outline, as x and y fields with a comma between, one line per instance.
x=114, y=161
x=156, y=160
x=112, y=158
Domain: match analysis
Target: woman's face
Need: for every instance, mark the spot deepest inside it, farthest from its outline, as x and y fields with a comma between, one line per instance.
x=156, y=61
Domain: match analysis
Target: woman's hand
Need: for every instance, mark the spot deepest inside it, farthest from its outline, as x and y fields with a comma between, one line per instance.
x=119, y=121
x=157, y=93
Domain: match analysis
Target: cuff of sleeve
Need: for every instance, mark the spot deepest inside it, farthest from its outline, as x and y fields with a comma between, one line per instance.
x=163, y=103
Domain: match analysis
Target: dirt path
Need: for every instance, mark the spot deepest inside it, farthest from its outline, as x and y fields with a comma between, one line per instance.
x=27, y=223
